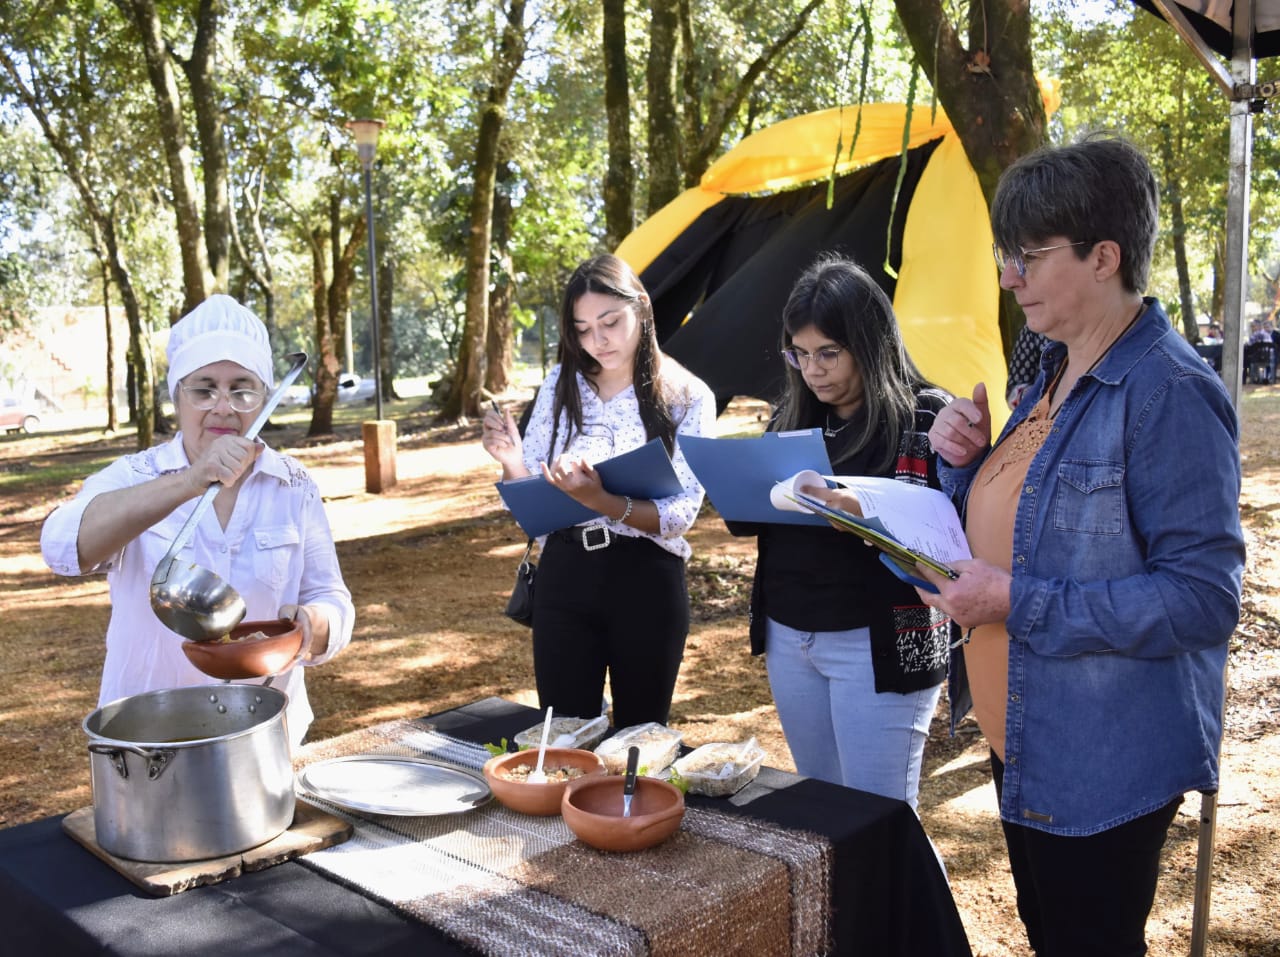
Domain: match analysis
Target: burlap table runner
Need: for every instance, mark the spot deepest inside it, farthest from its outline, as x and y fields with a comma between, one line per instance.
x=508, y=884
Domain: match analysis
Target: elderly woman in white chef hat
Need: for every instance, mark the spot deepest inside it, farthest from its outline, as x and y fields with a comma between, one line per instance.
x=267, y=534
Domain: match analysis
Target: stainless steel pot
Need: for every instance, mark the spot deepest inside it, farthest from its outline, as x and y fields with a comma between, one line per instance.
x=190, y=773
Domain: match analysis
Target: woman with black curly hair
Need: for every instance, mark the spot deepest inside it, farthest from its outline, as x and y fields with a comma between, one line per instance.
x=855, y=659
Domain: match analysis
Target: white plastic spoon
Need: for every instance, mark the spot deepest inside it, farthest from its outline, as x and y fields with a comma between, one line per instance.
x=537, y=775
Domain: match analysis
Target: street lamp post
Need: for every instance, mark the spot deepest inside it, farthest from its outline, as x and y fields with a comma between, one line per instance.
x=380, y=435
x=366, y=134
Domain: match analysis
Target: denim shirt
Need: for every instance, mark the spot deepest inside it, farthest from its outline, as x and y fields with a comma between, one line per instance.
x=1127, y=565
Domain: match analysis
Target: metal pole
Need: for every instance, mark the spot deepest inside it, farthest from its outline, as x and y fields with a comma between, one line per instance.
x=1236, y=273
x=373, y=290
x=1236, y=296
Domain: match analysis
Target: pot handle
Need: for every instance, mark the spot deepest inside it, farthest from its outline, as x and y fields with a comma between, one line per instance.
x=157, y=759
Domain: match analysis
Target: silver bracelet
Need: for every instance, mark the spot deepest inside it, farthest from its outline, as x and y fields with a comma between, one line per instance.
x=626, y=514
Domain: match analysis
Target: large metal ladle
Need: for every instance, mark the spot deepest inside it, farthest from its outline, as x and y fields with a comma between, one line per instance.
x=191, y=600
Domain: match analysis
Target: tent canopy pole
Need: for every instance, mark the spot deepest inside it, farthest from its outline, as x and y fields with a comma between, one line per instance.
x=1240, y=88
x=1174, y=16
x=1236, y=283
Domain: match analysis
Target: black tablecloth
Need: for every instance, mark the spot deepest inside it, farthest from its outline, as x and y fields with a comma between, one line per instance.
x=889, y=896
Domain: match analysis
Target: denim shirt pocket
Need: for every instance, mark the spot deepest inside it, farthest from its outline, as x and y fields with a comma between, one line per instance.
x=1090, y=498
x=273, y=550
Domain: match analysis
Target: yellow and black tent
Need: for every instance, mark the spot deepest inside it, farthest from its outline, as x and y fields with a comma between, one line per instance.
x=719, y=260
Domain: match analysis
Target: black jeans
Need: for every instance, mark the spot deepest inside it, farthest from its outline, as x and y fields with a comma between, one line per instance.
x=623, y=608
x=1086, y=896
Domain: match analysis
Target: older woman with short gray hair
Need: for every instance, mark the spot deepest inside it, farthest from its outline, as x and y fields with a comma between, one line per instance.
x=1106, y=580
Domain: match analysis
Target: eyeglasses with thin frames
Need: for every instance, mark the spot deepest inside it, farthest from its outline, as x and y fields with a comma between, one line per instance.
x=204, y=399
x=826, y=357
x=1019, y=259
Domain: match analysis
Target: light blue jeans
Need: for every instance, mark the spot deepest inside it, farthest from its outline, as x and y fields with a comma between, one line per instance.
x=837, y=727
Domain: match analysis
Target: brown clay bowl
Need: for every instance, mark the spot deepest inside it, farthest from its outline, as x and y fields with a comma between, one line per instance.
x=592, y=807
x=541, y=799
x=246, y=657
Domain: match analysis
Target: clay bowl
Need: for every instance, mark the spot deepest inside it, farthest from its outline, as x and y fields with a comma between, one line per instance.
x=244, y=656
x=543, y=799
x=592, y=807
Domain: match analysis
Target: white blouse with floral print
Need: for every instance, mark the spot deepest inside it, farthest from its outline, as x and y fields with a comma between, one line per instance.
x=614, y=427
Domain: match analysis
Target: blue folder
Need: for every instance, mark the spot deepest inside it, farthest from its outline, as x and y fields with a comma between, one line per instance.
x=539, y=507
x=738, y=474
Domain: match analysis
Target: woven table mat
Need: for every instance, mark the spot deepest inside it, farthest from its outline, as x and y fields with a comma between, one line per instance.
x=505, y=883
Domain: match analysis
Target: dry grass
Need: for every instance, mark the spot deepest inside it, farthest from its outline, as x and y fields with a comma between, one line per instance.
x=430, y=564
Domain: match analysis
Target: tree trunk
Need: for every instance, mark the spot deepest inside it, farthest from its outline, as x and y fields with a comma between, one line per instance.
x=498, y=343
x=500, y=332
x=113, y=416
x=344, y=270
x=988, y=90
x=463, y=398
x=664, y=129
x=619, y=177
x=339, y=321
x=386, y=328
x=330, y=298
x=196, y=278
x=1173, y=192
x=264, y=277
x=139, y=337
x=1218, y=303
x=131, y=387
x=201, y=72
x=326, y=367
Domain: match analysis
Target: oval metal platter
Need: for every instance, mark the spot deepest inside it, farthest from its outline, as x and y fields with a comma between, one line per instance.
x=395, y=785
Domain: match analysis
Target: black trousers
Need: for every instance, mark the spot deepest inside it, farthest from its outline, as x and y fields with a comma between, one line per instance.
x=1086, y=896
x=624, y=609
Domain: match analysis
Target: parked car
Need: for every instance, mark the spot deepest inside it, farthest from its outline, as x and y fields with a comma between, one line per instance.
x=296, y=395
x=17, y=416
x=353, y=388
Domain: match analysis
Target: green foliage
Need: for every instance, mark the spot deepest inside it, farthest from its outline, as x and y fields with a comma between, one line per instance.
x=679, y=780
x=1128, y=72
x=75, y=130
x=830, y=64
x=293, y=72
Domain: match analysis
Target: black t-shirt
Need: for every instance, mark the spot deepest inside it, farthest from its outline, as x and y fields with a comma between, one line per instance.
x=820, y=579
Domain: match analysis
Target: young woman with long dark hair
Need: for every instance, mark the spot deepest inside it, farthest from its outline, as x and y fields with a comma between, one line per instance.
x=611, y=594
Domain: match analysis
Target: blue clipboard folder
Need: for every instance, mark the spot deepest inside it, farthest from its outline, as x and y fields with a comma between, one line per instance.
x=539, y=507
x=738, y=474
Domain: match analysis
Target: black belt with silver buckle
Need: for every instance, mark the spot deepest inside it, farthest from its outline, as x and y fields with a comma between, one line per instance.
x=591, y=537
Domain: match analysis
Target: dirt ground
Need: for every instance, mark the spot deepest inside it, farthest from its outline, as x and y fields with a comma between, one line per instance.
x=429, y=564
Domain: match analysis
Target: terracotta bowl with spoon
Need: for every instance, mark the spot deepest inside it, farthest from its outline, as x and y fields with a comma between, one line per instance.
x=508, y=776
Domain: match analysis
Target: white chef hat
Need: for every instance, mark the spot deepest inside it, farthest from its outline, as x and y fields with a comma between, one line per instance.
x=219, y=328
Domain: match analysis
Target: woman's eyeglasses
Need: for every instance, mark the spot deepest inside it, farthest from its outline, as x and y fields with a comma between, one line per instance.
x=240, y=400
x=826, y=358
x=1020, y=260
